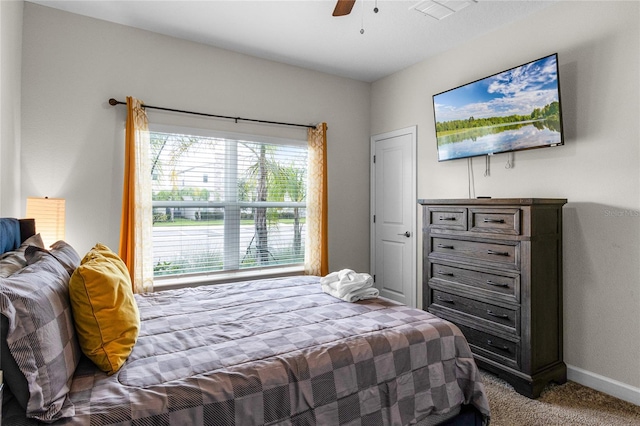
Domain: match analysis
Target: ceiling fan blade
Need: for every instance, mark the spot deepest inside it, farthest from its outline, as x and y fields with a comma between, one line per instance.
x=343, y=7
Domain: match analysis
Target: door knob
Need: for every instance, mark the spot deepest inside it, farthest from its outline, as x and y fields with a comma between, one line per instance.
x=406, y=234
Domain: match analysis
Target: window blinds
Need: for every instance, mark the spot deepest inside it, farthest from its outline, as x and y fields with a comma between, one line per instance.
x=223, y=204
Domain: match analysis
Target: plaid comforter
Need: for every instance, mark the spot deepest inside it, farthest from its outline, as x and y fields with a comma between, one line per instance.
x=280, y=352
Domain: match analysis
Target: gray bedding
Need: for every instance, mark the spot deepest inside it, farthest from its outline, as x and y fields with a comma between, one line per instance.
x=278, y=352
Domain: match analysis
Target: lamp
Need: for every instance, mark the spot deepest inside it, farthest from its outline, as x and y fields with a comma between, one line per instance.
x=49, y=215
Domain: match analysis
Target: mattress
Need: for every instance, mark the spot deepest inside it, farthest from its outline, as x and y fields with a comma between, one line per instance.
x=278, y=352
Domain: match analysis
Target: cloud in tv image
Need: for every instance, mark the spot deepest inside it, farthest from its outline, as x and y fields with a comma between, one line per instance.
x=513, y=110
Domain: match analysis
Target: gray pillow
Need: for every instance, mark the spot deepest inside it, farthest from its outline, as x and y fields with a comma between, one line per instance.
x=60, y=250
x=40, y=336
x=10, y=371
x=12, y=261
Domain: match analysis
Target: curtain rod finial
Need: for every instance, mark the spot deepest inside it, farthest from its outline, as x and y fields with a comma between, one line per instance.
x=113, y=102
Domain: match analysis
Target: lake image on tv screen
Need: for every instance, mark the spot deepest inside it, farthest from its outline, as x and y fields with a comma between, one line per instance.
x=516, y=109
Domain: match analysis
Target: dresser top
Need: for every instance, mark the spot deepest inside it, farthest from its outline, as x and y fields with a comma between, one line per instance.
x=492, y=201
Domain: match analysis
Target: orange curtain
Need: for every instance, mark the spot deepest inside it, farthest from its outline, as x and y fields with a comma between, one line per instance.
x=316, y=260
x=136, y=224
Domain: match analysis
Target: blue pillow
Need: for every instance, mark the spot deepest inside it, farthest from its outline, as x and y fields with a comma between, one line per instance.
x=9, y=234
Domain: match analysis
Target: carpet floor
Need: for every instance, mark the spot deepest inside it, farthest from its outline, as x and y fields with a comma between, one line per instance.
x=567, y=404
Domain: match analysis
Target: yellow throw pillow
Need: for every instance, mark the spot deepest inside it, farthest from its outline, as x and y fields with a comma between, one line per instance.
x=105, y=312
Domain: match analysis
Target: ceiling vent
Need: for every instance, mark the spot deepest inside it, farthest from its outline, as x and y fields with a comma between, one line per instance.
x=440, y=9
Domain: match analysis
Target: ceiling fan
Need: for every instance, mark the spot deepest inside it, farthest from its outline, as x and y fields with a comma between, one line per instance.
x=343, y=7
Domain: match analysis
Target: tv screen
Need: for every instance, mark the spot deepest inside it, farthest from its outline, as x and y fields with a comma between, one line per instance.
x=513, y=110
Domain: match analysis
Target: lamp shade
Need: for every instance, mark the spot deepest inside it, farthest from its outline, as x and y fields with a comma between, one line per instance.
x=49, y=215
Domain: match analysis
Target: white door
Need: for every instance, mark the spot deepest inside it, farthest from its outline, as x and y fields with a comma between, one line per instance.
x=394, y=206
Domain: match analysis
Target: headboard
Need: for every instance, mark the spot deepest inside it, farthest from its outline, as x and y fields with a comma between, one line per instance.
x=27, y=228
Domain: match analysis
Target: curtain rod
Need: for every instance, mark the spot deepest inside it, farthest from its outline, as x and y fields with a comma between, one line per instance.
x=115, y=102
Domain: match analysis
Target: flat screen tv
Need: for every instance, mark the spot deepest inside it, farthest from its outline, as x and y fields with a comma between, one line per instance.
x=512, y=110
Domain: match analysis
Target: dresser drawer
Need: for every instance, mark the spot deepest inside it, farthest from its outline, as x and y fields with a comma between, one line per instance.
x=507, y=319
x=494, y=286
x=500, y=254
x=504, y=351
x=495, y=221
x=454, y=218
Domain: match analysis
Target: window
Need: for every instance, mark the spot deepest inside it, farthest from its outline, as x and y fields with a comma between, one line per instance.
x=248, y=211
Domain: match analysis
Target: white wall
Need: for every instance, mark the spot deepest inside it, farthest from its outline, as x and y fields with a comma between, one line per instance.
x=72, y=140
x=10, y=67
x=598, y=44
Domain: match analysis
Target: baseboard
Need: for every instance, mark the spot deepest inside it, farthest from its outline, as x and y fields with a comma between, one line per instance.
x=604, y=384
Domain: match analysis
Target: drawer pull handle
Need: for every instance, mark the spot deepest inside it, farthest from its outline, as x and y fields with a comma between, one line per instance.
x=448, y=274
x=448, y=218
x=497, y=284
x=444, y=246
x=445, y=300
x=501, y=347
x=498, y=253
x=493, y=314
x=489, y=220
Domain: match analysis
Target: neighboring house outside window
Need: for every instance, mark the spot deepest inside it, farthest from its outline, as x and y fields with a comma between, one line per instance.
x=225, y=203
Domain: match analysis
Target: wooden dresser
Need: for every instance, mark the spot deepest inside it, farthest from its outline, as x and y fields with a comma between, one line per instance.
x=494, y=268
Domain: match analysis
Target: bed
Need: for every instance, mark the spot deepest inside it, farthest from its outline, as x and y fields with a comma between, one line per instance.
x=267, y=352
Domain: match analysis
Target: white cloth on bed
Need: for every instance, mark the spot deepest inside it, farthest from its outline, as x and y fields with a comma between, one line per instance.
x=349, y=285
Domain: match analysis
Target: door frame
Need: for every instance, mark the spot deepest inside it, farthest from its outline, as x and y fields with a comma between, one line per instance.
x=413, y=131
